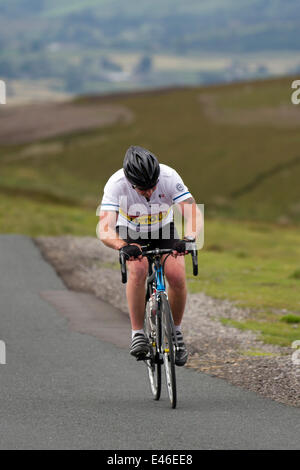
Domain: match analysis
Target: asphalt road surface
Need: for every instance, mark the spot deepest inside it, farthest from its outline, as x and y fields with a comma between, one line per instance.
x=70, y=383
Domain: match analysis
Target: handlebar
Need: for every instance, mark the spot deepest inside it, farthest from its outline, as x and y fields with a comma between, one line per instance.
x=191, y=248
x=123, y=268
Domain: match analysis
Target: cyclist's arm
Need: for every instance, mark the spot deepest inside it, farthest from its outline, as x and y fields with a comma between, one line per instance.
x=107, y=230
x=193, y=217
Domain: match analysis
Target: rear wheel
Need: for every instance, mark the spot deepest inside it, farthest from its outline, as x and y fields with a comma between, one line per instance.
x=153, y=333
x=168, y=350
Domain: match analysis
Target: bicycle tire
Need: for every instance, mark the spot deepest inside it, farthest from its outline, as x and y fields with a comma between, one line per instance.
x=168, y=350
x=153, y=363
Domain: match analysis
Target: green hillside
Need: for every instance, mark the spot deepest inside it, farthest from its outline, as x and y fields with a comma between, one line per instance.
x=236, y=146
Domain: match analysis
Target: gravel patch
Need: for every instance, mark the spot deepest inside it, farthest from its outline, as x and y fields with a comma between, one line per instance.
x=86, y=265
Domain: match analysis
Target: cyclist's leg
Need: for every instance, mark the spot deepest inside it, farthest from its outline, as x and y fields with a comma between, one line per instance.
x=177, y=292
x=135, y=287
x=135, y=292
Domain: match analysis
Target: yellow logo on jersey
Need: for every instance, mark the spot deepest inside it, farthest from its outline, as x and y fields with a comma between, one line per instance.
x=147, y=219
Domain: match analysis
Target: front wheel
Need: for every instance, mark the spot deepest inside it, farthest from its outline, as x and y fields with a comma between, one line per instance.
x=168, y=350
x=153, y=334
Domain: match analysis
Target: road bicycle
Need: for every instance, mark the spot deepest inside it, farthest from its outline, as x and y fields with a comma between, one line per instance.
x=158, y=320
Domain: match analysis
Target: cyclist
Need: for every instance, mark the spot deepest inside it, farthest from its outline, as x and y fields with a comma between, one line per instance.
x=136, y=210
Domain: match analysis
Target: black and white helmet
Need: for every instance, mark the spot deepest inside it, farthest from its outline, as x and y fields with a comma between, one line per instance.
x=141, y=167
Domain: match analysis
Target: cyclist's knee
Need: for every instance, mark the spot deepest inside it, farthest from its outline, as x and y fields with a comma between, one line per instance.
x=176, y=280
x=138, y=270
x=175, y=273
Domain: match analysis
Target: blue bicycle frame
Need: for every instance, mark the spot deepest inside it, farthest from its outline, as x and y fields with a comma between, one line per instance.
x=159, y=277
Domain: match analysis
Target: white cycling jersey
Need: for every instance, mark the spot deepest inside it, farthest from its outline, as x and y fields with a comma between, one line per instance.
x=134, y=210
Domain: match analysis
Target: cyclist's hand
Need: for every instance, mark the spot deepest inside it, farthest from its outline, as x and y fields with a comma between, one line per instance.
x=132, y=251
x=179, y=248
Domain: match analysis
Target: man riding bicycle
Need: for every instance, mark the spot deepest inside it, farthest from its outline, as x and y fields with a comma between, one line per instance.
x=136, y=210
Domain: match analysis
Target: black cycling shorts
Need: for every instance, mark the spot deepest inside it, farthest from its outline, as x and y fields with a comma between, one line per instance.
x=163, y=238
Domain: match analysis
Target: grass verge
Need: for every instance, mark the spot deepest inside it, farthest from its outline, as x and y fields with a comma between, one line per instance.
x=271, y=332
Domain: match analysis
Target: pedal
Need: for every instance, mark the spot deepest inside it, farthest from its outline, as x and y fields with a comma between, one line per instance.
x=142, y=357
x=146, y=358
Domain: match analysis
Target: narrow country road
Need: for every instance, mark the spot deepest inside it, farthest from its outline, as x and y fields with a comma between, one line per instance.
x=70, y=383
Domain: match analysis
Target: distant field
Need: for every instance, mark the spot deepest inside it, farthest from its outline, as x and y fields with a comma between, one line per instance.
x=82, y=68
x=99, y=46
x=28, y=91
x=246, y=174
x=277, y=64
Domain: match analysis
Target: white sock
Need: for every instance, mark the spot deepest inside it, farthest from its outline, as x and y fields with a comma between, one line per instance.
x=178, y=328
x=134, y=332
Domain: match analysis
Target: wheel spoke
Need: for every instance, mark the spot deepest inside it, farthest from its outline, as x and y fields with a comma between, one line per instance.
x=168, y=352
x=153, y=366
